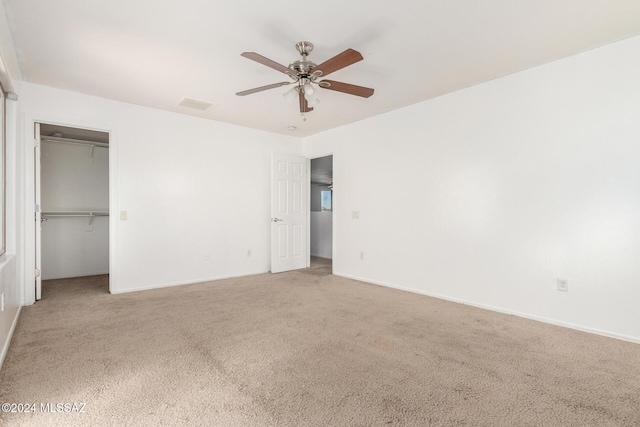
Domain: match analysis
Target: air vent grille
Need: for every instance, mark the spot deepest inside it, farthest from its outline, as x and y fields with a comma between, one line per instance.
x=195, y=104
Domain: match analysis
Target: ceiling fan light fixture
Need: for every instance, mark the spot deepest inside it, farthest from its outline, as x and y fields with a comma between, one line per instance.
x=310, y=95
x=308, y=90
x=312, y=101
x=291, y=95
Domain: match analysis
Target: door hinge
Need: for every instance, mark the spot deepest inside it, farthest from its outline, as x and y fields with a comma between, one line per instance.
x=37, y=272
x=36, y=142
x=36, y=208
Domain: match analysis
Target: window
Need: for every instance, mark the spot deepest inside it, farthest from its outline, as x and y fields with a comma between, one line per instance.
x=325, y=200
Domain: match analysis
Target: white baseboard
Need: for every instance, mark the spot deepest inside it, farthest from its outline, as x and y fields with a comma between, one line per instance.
x=497, y=309
x=190, y=282
x=5, y=346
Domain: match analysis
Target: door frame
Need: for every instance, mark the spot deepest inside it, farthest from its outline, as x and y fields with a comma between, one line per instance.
x=333, y=216
x=28, y=225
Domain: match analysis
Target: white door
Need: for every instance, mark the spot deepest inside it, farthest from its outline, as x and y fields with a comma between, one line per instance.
x=38, y=212
x=288, y=213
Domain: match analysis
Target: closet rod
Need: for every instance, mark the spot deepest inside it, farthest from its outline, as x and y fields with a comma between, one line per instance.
x=62, y=140
x=74, y=214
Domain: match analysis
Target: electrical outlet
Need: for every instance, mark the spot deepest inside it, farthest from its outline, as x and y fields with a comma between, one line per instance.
x=563, y=285
x=248, y=252
x=355, y=214
x=362, y=255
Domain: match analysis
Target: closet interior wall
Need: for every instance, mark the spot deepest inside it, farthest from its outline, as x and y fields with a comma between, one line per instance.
x=74, y=186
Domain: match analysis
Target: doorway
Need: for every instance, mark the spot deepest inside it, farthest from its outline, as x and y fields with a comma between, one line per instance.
x=321, y=212
x=72, y=214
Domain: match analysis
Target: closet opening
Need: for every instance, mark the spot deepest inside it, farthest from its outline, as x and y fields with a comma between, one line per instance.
x=321, y=215
x=72, y=197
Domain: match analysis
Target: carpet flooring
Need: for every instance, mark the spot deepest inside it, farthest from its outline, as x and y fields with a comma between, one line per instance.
x=304, y=348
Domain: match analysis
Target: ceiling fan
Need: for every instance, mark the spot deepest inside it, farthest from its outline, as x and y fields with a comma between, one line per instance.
x=305, y=75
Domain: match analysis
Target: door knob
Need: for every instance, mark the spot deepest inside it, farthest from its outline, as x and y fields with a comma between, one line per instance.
x=276, y=219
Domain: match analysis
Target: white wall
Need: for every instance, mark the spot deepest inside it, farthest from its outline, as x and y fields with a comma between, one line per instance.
x=74, y=178
x=196, y=191
x=494, y=192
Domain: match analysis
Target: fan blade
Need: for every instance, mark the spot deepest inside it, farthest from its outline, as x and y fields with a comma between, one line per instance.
x=362, y=91
x=261, y=88
x=338, y=62
x=304, y=107
x=266, y=61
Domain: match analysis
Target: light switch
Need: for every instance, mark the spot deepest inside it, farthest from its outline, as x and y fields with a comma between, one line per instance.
x=123, y=215
x=563, y=285
x=355, y=214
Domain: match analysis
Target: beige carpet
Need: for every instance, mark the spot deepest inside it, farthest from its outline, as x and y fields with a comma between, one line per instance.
x=306, y=349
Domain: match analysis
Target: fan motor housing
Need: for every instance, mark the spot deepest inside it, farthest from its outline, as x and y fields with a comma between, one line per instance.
x=302, y=66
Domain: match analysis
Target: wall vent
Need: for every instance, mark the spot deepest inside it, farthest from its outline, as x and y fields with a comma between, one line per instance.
x=195, y=104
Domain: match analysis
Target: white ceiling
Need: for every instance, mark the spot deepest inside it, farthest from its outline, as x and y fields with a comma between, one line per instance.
x=155, y=53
